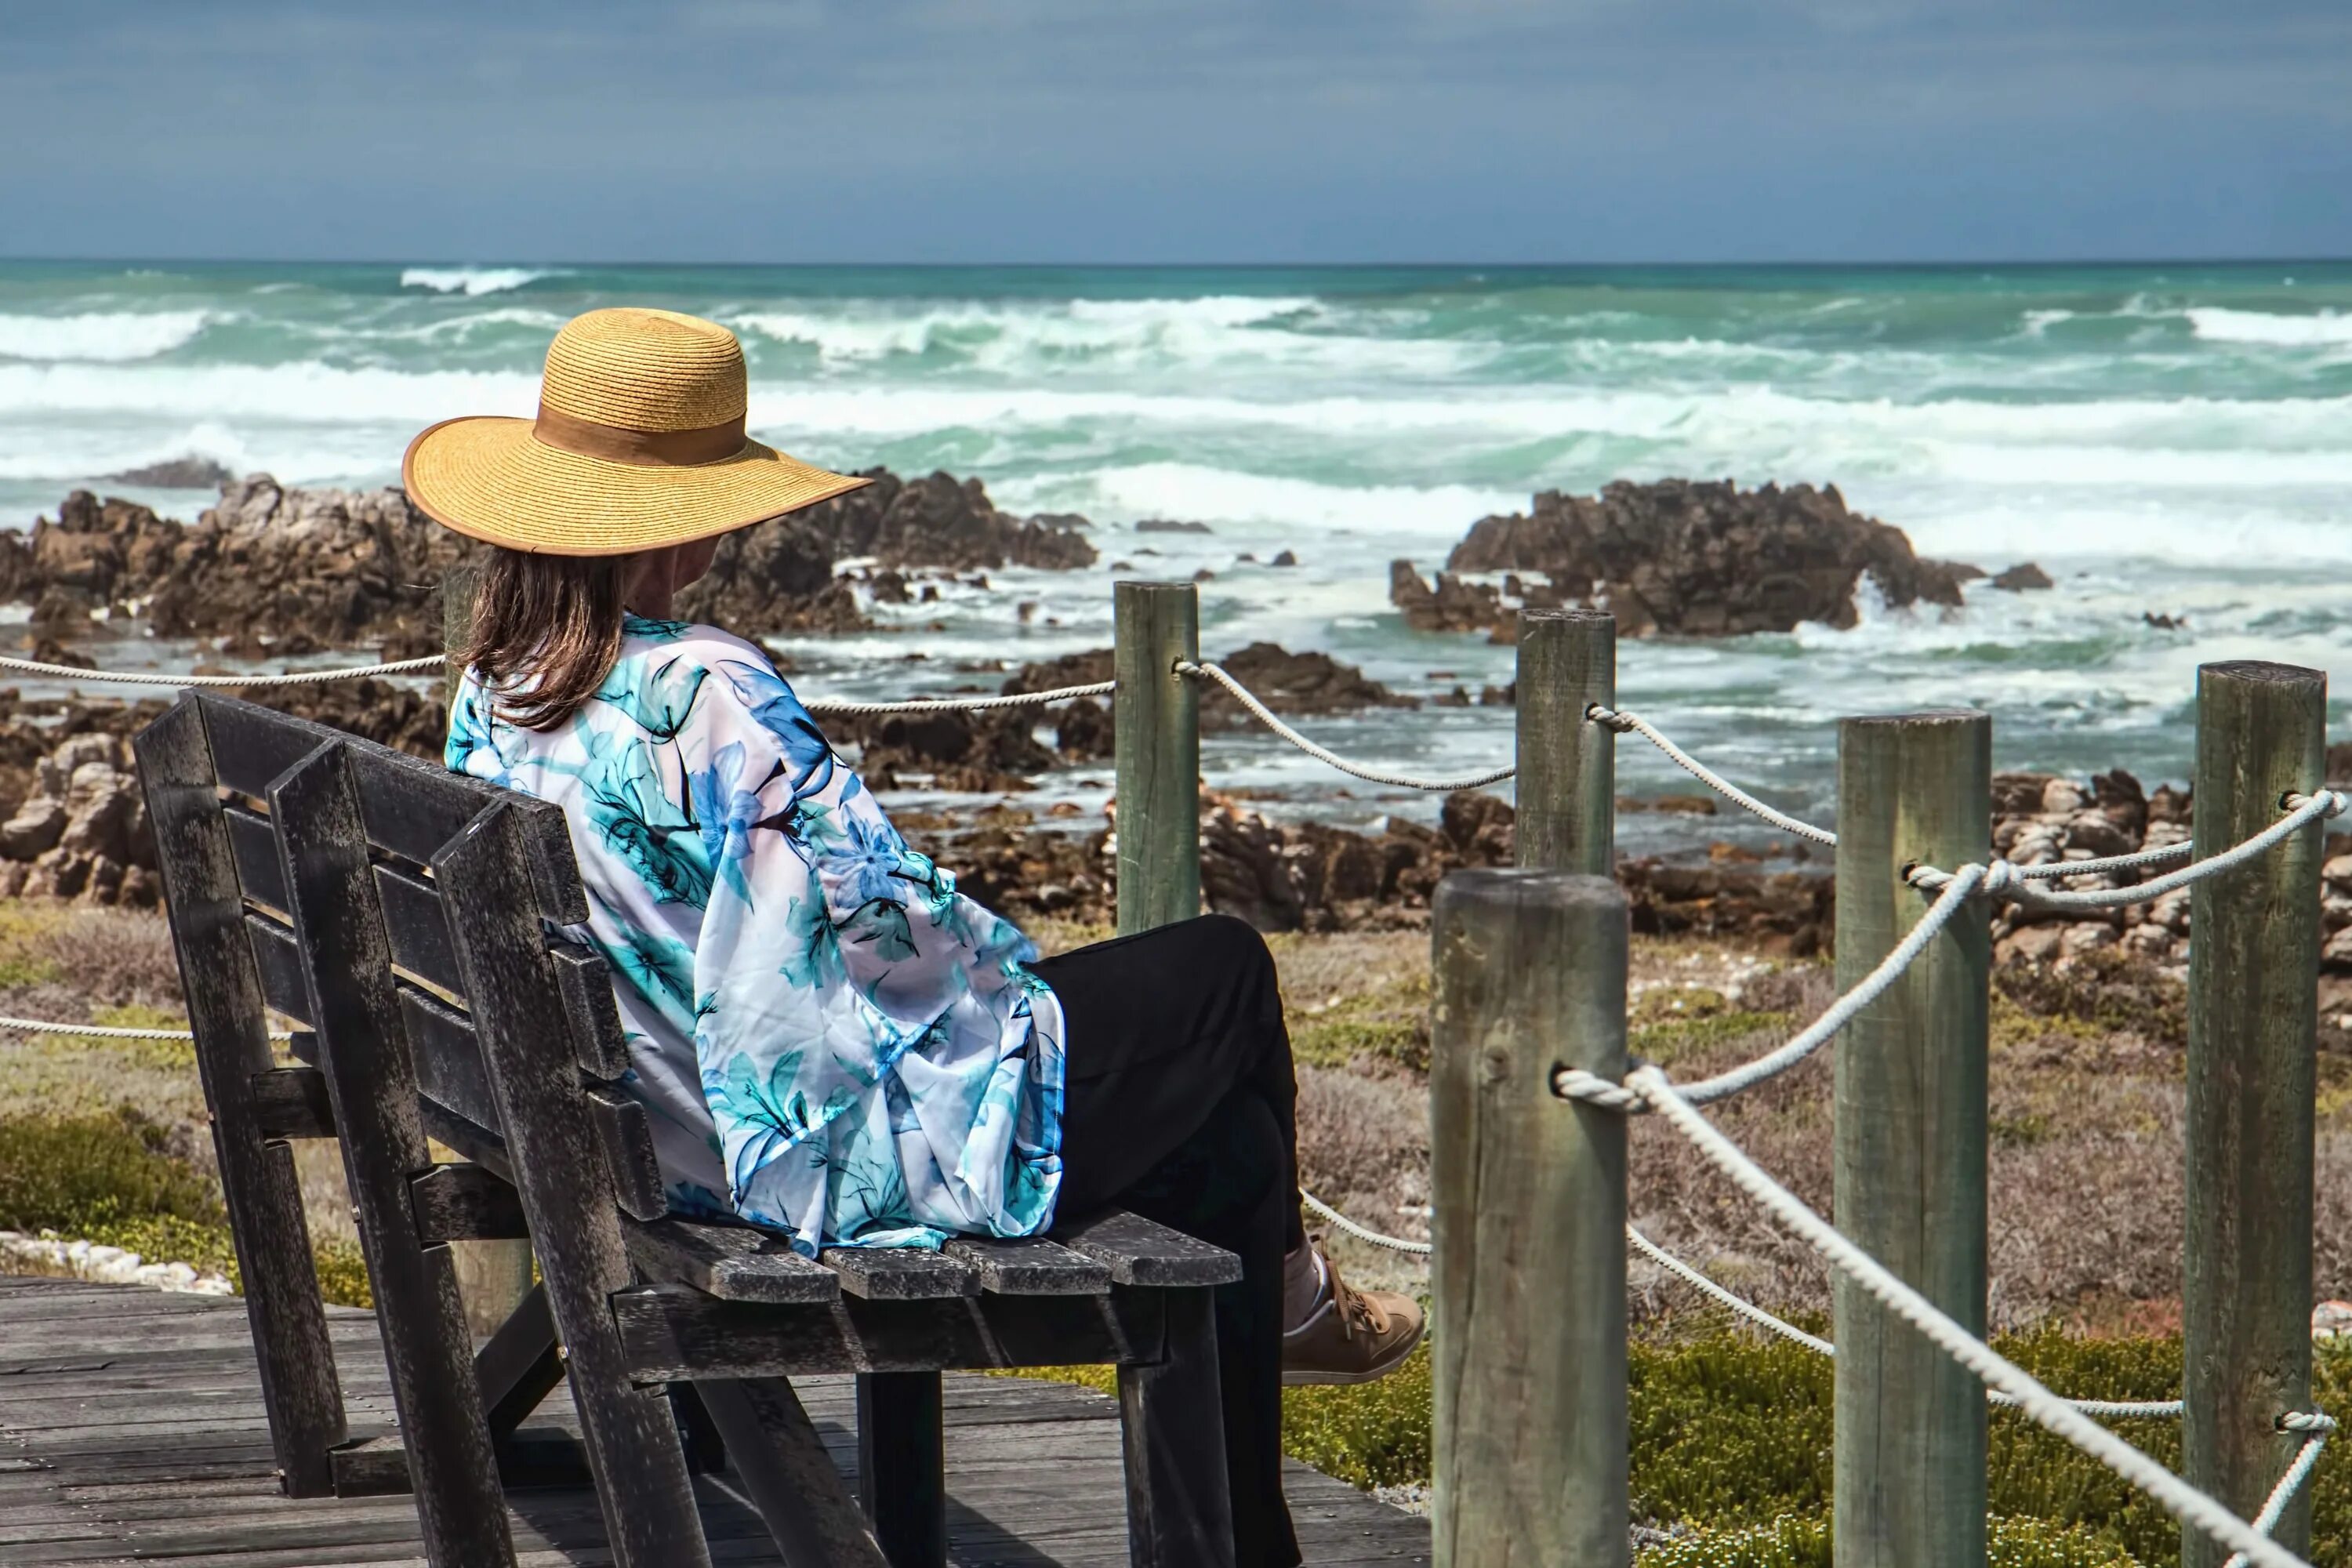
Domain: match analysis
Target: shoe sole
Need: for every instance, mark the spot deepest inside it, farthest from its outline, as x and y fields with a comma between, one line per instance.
x=1370, y=1374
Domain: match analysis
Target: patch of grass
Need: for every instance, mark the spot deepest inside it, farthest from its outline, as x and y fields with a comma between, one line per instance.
x=1389, y=1023
x=1669, y=1023
x=1804, y=1542
x=2108, y=993
x=27, y=928
x=148, y=1053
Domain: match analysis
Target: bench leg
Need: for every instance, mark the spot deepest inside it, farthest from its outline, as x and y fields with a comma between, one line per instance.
x=782, y=1463
x=1179, y=1509
x=901, y=1470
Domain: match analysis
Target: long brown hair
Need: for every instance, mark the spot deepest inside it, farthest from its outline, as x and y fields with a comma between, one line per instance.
x=546, y=631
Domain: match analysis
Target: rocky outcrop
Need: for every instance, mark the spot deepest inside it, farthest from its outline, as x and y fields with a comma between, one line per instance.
x=941, y=522
x=189, y=473
x=275, y=570
x=268, y=569
x=1683, y=558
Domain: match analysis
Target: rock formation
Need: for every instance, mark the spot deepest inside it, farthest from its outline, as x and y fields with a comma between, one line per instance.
x=1681, y=557
x=272, y=570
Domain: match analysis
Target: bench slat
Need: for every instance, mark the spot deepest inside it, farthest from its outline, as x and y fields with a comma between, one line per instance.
x=1139, y=1252
x=734, y=1263
x=1031, y=1267
x=291, y=1102
x=900, y=1273
x=587, y=983
x=419, y=931
x=465, y=1203
x=255, y=844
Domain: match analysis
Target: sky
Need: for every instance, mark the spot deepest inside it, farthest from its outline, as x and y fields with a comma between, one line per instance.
x=1177, y=131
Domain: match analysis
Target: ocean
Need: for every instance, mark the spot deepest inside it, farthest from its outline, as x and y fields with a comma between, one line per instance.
x=2174, y=440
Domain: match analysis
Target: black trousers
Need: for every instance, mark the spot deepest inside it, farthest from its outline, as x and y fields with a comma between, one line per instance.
x=1181, y=1107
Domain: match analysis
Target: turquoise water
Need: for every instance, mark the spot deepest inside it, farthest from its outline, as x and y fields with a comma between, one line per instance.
x=2162, y=439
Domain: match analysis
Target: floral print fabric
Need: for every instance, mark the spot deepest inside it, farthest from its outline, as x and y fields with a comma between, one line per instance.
x=832, y=1041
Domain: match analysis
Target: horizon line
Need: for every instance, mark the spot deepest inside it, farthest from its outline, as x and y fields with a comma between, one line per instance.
x=1261, y=265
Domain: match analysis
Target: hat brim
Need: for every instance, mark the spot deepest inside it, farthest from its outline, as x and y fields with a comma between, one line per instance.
x=492, y=479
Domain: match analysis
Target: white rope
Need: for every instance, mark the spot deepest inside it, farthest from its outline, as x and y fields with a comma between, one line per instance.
x=1700, y=1282
x=1265, y=716
x=2106, y=863
x=2003, y=877
x=1576, y=1083
x=2315, y=1428
x=1362, y=1233
x=161, y=677
x=2046, y=1409
x=1624, y=722
x=845, y=708
x=107, y=1031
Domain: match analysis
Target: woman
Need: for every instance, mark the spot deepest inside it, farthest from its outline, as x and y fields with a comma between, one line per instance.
x=833, y=1042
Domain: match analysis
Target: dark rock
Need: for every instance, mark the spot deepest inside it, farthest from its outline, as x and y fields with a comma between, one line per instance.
x=1452, y=605
x=774, y=578
x=1285, y=558
x=2021, y=577
x=188, y=473
x=1299, y=683
x=941, y=522
x=2165, y=623
x=1706, y=558
x=1164, y=525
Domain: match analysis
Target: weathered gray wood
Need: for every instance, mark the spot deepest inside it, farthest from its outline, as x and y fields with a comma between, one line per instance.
x=1137, y=1251
x=629, y=1140
x=902, y=1467
x=2254, y=972
x=254, y=843
x=567, y=1185
x=734, y=1263
x=790, y=1480
x=1172, y=1438
x=518, y=1366
x=291, y=1102
x=1031, y=1267
x=222, y=983
x=587, y=982
x=419, y=930
x=899, y=1274
x=372, y=1082
x=411, y=806
x=1567, y=781
x=1911, y=1129
x=463, y=1203
x=1528, y=1275
x=278, y=965
x=1156, y=714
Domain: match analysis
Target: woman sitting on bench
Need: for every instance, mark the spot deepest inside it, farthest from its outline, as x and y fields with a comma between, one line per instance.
x=832, y=1041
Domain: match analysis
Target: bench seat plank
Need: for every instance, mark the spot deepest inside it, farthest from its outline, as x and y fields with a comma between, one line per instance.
x=900, y=1273
x=734, y=1263
x=1139, y=1252
x=1031, y=1266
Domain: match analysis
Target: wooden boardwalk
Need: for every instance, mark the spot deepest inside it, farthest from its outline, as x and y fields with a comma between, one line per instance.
x=132, y=1431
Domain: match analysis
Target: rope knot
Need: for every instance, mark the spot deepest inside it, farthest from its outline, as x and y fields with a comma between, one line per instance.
x=1575, y=1083
x=1610, y=719
x=2306, y=1421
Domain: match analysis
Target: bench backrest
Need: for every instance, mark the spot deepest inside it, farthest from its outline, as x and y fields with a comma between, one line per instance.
x=405, y=917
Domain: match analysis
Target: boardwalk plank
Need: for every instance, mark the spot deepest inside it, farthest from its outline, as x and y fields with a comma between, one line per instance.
x=161, y=1458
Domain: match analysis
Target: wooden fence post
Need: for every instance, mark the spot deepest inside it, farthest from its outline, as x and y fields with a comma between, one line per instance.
x=1529, y=1271
x=493, y=1277
x=1567, y=783
x=1156, y=716
x=1910, y=1159
x=2253, y=976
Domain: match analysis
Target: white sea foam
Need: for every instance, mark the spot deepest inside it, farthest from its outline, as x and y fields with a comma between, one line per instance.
x=2215, y=324
x=1201, y=493
x=474, y=280
x=99, y=336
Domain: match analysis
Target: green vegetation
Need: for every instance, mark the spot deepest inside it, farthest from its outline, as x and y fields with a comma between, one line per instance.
x=113, y=1180
x=1388, y=1024
x=1668, y=1023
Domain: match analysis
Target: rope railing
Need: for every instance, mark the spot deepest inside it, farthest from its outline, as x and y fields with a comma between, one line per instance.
x=2037, y=1402
x=1625, y=722
x=107, y=1031
x=284, y=678
x=1576, y=1083
x=1323, y=755
x=846, y=709
x=2004, y=879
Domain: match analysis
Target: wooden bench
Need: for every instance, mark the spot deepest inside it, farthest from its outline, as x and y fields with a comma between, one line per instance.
x=414, y=922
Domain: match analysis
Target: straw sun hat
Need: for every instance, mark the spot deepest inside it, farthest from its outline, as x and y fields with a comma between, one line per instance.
x=639, y=444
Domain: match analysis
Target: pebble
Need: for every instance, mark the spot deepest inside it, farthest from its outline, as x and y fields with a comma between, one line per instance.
x=106, y=1264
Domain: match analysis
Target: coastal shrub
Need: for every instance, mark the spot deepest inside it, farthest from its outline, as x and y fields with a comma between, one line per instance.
x=1388, y=1024
x=1804, y=1542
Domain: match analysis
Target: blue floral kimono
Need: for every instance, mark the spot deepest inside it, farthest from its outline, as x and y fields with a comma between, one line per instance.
x=825, y=1031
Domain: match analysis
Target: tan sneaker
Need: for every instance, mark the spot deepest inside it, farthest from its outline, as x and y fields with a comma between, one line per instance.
x=1352, y=1336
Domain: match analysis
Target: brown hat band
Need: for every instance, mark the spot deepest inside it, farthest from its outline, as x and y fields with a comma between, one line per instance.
x=645, y=448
